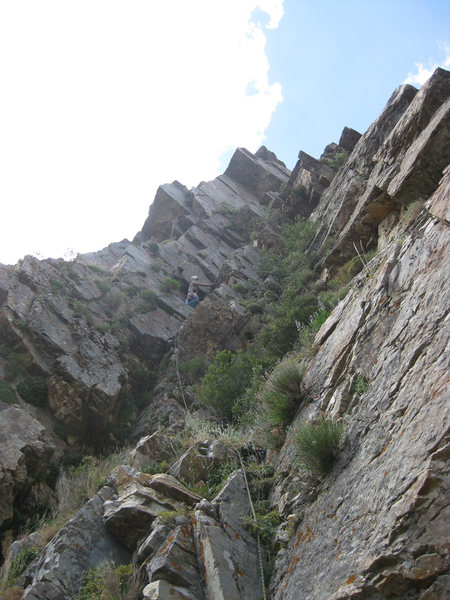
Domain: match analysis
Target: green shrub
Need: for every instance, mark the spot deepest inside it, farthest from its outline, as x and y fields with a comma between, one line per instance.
x=102, y=286
x=33, y=390
x=225, y=380
x=124, y=344
x=316, y=446
x=132, y=291
x=280, y=331
x=108, y=582
x=7, y=393
x=72, y=274
x=165, y=307
x=255, y=308
x=361, y=385
x=153, y=247
x=169, y=285
x=125, y=412
x=5, y=350
x=113, y=299
x=196, y=367
x=150, y=301
x=21, y=324
x=156, y=266
x=19, y=564
x=412, y=211
x=266, y=527
x=240, y=288
x=60, y=431
x=56, y=286
x=300, y=191
x=142, y=381
x=336, y=162
x=169, y=516
x=97, y=269
x=82, y=311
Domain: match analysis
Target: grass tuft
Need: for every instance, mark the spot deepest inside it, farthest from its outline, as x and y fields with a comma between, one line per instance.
x=316, y=445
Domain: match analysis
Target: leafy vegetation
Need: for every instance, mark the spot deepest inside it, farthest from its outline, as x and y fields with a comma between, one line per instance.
x=16, y=362
x=225, y=380
x=195, y=367
x=151, y=301
x=7, y=393
x=169, y=285
x=102, y=285
x=153, y=247
x=109, y=582
x=336, y=162
x=19, y=564
x=33, y=390
x=240, y=288
x=361, y=385
x=98, y=270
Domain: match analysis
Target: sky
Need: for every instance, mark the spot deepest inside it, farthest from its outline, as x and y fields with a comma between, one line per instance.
x=101, y=101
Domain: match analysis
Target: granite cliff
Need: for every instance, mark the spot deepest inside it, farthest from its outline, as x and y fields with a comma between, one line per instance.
x=100, y=356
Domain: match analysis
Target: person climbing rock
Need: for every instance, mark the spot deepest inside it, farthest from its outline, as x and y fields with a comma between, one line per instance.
x=192, y=298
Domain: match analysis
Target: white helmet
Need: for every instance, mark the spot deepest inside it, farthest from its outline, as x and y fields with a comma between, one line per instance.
x=194, y=277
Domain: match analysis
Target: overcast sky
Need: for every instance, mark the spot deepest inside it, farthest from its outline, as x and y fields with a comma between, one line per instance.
x=103, y=100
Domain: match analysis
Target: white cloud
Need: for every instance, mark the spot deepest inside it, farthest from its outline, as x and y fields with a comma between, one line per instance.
x=423, y=73
x=103, y=100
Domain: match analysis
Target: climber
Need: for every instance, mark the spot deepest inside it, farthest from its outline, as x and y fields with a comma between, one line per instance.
x=192, y=298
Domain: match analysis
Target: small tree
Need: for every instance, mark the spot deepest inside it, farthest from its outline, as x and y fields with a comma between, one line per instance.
x=225, y=380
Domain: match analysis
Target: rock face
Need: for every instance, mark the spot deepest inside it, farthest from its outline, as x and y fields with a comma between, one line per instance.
x=80, y=545
x=75, y=323
x=396, y=162
x=378, y=520
x=25, y=451
x=94, y=330
x=201, y=557
x=90, y=328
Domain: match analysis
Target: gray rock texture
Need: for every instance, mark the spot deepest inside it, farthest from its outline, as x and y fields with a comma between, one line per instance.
x=96, y=329
x=25, y=450
x=378, y=520
x=79, y=546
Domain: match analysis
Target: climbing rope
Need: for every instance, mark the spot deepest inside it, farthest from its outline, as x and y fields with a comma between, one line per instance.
x=258, y=540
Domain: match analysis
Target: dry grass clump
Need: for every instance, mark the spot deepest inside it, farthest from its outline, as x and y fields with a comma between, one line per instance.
x=79, y=484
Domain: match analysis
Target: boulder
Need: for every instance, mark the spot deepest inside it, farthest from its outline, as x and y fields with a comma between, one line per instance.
x=406, y=167
x=228, y=553
x=150, y=450
x=218, y=323
x=337, y=204
x=140, y=499
x=81, y=545
x=161, y=590
x=196, y=463
x=176, y=562
x=259, y=173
